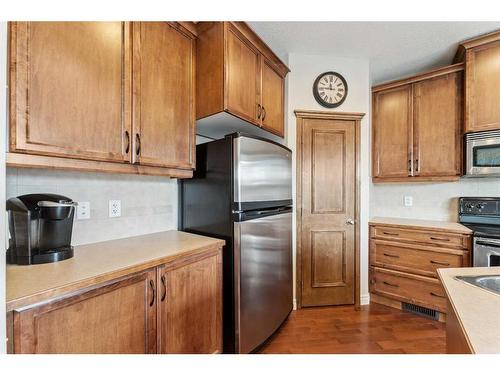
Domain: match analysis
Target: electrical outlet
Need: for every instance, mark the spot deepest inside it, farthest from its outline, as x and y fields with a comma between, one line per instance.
x=115, y=208
x=83, y=210
x=408, y=201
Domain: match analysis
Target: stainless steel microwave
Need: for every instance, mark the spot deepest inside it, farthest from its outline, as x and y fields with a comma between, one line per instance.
x=482, y=154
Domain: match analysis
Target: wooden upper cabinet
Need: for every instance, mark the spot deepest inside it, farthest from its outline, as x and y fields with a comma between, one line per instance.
x=242, y=77
x=417, y=127
x=164, y=89
x=273, y=99
x=119, y=318
x=392, y=138
x=239, y=74
x=190, y=310
x=437, y=123
x=67, y=85
x=482, y=80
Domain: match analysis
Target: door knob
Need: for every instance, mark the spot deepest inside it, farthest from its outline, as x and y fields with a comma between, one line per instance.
x=350, y=222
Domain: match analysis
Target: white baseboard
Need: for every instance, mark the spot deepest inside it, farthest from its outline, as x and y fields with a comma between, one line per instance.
x=365, y=299
x=294, y=304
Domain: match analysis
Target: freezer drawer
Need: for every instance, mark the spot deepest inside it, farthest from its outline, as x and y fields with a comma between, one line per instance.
x=262, y=173
x=263, y=278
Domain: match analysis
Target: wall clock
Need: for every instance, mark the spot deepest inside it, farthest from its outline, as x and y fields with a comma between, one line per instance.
x=330, y=89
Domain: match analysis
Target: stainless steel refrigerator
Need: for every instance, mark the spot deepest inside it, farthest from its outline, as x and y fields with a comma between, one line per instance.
x=241, y=192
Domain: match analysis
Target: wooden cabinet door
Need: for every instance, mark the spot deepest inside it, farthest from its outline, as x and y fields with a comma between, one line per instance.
x=482, y=95
x=437, y=123
x=242, y=79
x=69, y=90
x=392, y=136
x=190, y=307
x=119, y=317
x=272, y=100
x=164, y=89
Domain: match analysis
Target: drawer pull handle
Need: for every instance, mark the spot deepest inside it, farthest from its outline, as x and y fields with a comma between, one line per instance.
x=436, y=295
x=127, y=147
x=440, y=263
x=391, y=234
x=439, y=239
x=164, y=288
x=389, y=284
x=391, y=255
x=152, y=286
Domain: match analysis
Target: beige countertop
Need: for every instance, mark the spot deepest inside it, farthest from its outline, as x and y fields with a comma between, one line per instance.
x=99, y=262
x=477, y=310
x=440, y=226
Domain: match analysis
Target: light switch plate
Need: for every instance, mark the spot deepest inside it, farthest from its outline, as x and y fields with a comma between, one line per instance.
x=115, y=208
x=83, y=211
x=408, y=200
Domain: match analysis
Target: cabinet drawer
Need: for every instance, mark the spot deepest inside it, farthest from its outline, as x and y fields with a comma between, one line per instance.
x=427, y=237
x=414, y=258
x=419, y=290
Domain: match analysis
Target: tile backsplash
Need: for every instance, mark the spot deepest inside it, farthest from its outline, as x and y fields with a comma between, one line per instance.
x=148, y=203
x=432, y=201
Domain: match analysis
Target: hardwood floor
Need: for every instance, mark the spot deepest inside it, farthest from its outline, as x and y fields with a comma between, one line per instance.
x=375, y=329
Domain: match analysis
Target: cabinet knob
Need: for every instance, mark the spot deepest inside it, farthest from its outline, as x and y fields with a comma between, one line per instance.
x=263, y=113
x=350, y=222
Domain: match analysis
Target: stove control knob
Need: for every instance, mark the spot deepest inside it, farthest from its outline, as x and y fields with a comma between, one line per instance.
x=480, y=206
x=469, y=206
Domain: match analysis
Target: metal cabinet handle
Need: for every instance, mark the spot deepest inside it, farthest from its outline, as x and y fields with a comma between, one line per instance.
x=138, y=142
x=391, y=234
x=409, y=166
x=350, y=222
x=439, y=239
x=417, y=165
x=127, y=148
x=259, y=111
x=163, y=283
x=391, y=255
x=436, y=295
x=393, y=285
x=440, y=263
x=152, y=287
x=263, y=113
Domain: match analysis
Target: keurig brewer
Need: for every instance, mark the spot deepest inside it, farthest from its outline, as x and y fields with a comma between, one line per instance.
x=40, y=227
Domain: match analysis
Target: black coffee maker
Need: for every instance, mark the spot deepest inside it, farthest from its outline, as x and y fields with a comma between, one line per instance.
x=40, y=227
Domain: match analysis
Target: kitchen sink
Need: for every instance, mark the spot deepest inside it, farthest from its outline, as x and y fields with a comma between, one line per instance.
x=488, y=282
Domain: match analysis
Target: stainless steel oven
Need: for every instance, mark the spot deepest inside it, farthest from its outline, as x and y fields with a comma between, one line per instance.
x=486, y=252
x=482, y=154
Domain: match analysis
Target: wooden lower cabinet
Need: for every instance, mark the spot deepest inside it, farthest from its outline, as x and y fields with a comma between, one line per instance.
x=119, y=317
x=173, y=308
x=190, y=308
x=406, y=287
x=404, y=260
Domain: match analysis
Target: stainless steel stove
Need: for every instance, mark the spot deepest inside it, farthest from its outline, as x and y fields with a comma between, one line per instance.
x=482, y=216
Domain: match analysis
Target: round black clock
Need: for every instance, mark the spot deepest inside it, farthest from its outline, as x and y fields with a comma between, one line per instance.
x=330, y=89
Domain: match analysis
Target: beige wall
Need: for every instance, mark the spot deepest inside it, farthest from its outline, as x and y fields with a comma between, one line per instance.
x=434, y=201
x=149, y=204
x=304, y=70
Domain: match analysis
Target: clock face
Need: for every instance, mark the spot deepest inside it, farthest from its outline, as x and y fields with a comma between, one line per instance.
x=330, y=89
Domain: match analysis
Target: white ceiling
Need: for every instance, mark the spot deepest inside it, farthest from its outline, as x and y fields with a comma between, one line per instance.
x=394, y=49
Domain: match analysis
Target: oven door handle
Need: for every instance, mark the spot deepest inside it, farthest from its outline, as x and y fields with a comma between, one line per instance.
x=487, y=243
